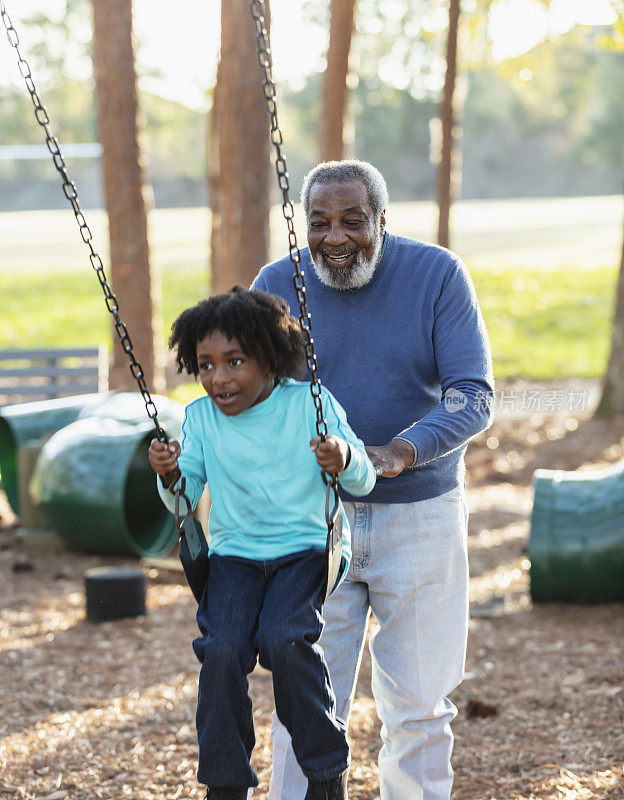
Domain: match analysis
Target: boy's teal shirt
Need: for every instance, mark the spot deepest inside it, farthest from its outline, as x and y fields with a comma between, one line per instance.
x=268, y=497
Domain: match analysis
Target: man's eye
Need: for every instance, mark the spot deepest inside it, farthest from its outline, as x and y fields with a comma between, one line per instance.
x=353, y=223
x=317, y=225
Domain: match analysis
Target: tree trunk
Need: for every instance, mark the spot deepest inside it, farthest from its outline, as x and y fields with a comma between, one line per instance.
x=446, y=185
x=334, y=97
x=240, y=178
x=136, y=285
x=612, y=400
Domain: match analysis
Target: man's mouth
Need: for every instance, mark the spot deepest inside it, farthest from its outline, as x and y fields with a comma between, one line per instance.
x=340, y=259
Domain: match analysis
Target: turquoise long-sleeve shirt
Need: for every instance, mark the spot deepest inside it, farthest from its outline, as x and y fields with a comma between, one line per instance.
x=268, y=498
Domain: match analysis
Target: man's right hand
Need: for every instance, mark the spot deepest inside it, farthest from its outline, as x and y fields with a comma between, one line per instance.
x=163, y=457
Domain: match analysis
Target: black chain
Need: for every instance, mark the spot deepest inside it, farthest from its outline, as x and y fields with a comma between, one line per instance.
x=69, y=188
x=268, y=85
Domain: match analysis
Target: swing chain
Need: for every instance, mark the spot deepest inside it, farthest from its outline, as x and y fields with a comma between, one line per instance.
x=258, y=13
x=71, y=193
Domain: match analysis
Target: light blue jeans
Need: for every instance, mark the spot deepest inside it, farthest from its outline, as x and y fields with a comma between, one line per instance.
x=410, y=568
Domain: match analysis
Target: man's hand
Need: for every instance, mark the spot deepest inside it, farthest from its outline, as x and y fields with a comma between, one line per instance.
x=391, y=459
x=332, y=454
x=164, y=458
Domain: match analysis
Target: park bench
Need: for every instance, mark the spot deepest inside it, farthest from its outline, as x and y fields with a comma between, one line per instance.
x=52, y=372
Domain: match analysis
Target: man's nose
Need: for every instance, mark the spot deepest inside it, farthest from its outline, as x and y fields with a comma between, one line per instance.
x=336, y=235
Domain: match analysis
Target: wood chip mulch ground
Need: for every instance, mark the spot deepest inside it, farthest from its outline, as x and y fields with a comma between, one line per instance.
x=106, y=710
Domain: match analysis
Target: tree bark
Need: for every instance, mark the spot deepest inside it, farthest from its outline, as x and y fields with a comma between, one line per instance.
x=335, y=93
x=446, y=185
x=136, y=284
x=239, y=149
x=612, y=400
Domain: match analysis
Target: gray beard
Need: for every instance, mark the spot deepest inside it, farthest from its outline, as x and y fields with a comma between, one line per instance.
x=355, y=276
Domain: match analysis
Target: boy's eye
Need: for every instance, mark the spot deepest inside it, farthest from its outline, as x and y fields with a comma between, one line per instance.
x=204, y=365
x=236, y=361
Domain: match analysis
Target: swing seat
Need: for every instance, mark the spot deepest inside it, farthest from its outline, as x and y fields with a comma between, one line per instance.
x=193, y=547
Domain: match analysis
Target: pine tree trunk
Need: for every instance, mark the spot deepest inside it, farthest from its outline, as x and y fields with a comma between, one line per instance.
x=334, y=97
x=240, y=180
x=612, y=400
x=136, y=285
x=445, y=182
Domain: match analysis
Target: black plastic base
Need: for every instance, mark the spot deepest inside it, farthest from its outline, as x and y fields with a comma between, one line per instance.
x=114, y=593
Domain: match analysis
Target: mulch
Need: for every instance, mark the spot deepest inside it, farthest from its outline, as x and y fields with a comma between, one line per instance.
x=107, y=710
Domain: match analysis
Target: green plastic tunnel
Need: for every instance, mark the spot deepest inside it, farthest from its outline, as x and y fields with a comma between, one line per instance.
x=576, y=546
x=93, y=485
x=23, y=423
x=92, y=482
x=27, y=422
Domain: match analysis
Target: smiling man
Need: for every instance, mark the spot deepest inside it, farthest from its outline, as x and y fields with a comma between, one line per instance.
x=345, y=254
x=401, y=344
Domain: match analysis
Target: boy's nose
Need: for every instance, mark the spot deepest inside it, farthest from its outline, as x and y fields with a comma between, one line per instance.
x=219, y=376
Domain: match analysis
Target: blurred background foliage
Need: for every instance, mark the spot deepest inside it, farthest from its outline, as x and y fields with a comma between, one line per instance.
x=547, y=123
x=537, y=131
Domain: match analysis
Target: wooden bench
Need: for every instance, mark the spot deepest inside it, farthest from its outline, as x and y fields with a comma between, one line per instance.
x=48, y=373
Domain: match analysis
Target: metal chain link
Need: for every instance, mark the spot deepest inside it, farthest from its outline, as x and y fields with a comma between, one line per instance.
x=258, y=13
x=71, y=193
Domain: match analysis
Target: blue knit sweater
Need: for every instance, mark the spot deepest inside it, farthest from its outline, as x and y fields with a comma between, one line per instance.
x=406, y=355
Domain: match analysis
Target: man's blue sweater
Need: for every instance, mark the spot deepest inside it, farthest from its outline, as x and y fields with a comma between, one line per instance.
x=406, y=355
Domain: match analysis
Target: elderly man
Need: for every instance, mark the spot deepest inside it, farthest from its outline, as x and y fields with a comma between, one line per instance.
x=402, y=345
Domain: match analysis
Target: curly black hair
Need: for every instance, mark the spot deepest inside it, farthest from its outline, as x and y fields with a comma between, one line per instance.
x=260, y=321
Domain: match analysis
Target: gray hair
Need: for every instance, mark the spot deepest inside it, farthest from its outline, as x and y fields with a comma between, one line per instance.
x=346, y=172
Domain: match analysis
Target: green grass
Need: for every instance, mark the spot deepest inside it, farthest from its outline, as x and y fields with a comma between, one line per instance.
x=69, y=310
x=545, y=273
x=547, y=323
x=542, y=323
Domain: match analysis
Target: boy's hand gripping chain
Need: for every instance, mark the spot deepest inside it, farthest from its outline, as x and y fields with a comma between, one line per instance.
x=333, y=516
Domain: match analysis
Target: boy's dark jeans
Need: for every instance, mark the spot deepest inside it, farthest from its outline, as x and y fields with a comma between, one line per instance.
x=269, y=610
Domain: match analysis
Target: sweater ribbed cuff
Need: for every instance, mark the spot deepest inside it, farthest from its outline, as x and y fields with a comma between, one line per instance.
x=424, y=442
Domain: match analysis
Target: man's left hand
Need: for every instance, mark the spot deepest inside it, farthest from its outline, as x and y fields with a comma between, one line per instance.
x=391, y=459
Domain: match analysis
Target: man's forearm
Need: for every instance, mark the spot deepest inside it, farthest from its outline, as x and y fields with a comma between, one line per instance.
x=461, y=415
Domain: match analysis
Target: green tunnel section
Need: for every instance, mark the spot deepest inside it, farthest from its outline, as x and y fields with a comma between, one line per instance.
x=92, y=482
x=30, y=422
x=576, y=547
